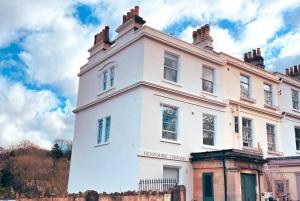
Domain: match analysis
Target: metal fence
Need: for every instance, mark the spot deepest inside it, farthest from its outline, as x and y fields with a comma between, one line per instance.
x=160, y=185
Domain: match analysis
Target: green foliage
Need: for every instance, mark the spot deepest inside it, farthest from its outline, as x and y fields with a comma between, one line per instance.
x=56, y=152
x=7, y=178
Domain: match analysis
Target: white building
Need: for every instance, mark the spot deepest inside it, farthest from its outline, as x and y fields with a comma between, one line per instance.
x=290, y=108
x=147, y=100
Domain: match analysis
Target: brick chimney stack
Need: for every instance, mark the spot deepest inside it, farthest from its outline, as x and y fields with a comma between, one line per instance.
x=103, y=38
x=130, y=21
x=202, y=38
x=254, y=58
x=293, y=71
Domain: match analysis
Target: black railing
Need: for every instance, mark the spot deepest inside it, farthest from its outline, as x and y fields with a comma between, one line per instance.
x=160, y=185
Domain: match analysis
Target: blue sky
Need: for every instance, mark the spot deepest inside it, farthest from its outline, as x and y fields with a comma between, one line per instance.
x=44, y=43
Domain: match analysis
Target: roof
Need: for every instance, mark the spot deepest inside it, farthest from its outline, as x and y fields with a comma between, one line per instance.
x=234, y=154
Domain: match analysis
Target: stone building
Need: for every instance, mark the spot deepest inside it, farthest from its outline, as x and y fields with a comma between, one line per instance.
x=147, y=100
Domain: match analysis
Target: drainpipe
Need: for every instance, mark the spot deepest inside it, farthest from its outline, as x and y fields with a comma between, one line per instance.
x=259, y=185
x=225, y=177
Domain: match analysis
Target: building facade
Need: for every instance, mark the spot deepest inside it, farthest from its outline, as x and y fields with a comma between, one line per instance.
x=147, y=100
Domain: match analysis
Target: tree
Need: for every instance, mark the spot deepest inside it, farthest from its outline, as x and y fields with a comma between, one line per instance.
x=56, y=152
x=7, y=178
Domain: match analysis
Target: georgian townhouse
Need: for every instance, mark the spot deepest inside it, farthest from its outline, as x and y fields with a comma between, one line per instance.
x=153, y=109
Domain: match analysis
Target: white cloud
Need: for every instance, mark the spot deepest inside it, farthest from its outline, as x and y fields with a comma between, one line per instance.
x=33, y=115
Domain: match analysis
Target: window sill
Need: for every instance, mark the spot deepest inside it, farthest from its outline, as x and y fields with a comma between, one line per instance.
x=102, y=144
x=271, y=107
x=297, y=152
x=294, y=110
x=275, y=153
x=170, y=141
x=250, y=100
x=251, y=149
x=170, y=82
x=208, y=93
x=106, y=91
x=209, y=147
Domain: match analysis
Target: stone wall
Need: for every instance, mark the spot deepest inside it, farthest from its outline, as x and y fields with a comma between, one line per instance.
x=177, y=194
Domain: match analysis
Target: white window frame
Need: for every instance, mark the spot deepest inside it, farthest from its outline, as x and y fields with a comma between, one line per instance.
x=103, y=139
x=274, y=149
x=110, y=70
x=213, y=132
x=213, y=79
x=297, y=139
x=292, y=91
x=271, y=94
x=252, y=133
x=162, y=122
x=249, y=86
x=171, y=56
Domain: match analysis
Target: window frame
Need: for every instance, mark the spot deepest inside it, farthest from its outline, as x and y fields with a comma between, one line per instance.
x=248, y=84
x=205, y=80
x=273, y=135
x=176, y=123
x=103, y=137
x=212, y=132
x=251, y=133
x=112, y=76
x=104, y=80
x=173, y=57
x=297, y=139
x=292, y=91
x=270, y=93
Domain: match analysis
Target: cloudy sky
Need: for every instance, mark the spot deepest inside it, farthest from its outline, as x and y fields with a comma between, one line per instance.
x=44, y=43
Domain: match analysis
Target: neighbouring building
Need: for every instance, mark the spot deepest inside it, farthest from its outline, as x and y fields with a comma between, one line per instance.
x=155, y=110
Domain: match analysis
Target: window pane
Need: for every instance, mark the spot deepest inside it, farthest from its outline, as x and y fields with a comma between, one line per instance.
x=208, y=74
x=267, y=87
x=169, y=125
x=244, y=79
x=208, y=129
x=100, y=131
x=112, y=76
x=170, y=67
x=247, y=133
x=271, y=137
x=244, y=85
x=107, y=129
x=170, y=74
x=104, y=83
x=297, y=138
x=295, y=97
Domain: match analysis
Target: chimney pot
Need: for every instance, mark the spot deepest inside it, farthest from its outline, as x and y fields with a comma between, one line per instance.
x=245, y=56
x=249, y=55
x=128, y=16
x=291, y=71
x=287, y=71
x=295, y=69
x=258, y=52
x=131, y=13
x=254, y=53
x=124, y=19
x=136, y=10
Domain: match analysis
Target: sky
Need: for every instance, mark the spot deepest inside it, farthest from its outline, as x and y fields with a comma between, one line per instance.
x=44, y=43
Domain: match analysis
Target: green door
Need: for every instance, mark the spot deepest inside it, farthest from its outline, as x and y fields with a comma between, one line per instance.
x=248, y=182
x=208, y=186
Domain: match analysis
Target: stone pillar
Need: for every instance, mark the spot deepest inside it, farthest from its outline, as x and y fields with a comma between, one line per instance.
x=178, y=193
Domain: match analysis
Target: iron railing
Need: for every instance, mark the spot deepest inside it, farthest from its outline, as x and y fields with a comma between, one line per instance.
x=160, y=185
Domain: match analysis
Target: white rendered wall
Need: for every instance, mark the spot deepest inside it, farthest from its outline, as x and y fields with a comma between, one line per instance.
x=190, y=120
x=112, y=167
x=128, y=70
x=189, y=69
x=288, y=123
